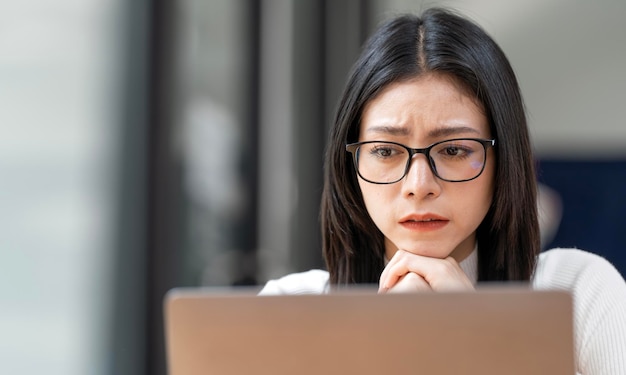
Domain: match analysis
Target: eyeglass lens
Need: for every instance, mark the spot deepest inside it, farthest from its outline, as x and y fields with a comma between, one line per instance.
x=455, y=160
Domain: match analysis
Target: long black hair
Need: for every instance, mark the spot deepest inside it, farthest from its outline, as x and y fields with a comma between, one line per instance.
x=439, y=41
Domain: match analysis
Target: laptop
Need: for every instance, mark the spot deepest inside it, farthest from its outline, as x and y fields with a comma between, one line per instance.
x=496, y=330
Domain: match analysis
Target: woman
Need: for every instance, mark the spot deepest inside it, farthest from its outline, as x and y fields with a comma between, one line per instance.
x=430, y=185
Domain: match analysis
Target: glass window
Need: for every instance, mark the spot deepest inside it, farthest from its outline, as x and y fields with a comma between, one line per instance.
x=58, y=68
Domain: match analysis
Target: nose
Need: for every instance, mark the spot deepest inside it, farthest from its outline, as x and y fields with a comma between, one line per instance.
x=420, y=181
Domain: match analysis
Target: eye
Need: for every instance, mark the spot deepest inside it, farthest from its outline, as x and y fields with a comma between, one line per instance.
x=384, y=150
x=455, y=151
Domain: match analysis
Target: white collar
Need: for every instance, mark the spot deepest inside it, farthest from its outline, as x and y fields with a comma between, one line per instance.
x=469, y=265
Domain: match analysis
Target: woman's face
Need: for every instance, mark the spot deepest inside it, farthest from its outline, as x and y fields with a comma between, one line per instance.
x=421, y=213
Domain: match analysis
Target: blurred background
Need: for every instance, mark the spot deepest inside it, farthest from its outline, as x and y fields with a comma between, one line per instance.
x=149, y=144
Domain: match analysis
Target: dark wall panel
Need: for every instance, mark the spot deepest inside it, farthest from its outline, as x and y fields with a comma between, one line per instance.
x=593, y=195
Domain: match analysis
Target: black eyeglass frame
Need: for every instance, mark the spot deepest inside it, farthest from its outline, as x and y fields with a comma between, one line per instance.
x=354, y=147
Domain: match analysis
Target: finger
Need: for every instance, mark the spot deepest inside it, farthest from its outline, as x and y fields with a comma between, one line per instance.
x=410, y=283
x=395, y=269
x=391, y=275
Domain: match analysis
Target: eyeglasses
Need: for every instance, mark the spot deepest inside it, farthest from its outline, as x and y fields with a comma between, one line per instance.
x=453, y=160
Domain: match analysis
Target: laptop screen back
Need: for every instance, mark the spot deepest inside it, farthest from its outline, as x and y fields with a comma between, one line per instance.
x=493, y=331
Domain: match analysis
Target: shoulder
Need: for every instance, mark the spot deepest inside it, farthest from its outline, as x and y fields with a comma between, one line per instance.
x=599, y=295
x=568, y=268
x=309, y=282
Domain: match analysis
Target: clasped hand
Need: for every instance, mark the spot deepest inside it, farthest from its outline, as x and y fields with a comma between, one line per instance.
x=408, y=272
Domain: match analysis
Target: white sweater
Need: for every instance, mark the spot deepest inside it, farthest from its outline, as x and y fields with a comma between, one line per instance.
x=597, y=288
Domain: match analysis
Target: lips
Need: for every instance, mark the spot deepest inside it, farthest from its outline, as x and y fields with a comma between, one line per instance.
x=424, y=222
x=423, y=217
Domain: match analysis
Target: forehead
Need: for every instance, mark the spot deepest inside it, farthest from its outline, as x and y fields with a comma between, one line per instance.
x=423, y=104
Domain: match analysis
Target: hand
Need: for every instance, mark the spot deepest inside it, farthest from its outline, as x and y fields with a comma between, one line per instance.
x=409, y=283
x=410, y=272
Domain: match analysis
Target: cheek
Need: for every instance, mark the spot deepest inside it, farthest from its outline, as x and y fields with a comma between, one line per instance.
x=470, y=206
x=376, y=199
x=485, y=189
x=471, y=201
x=490, y=183
x=368, y=196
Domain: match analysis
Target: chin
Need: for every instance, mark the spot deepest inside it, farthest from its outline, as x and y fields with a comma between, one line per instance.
x=431, y=249
x=427, y=251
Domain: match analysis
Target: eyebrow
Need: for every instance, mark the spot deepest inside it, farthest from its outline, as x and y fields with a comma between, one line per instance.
x=435, y=133
x=451, y=130
x=390, y=130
